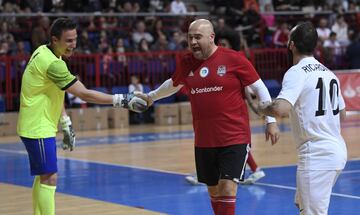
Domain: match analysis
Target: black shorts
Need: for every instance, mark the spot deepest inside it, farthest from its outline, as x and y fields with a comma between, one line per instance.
x=226, y=162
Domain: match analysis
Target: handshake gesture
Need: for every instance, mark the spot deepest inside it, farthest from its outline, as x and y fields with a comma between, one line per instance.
x=137, y=102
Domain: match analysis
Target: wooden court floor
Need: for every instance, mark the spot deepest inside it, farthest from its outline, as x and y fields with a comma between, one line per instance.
x=173, y=154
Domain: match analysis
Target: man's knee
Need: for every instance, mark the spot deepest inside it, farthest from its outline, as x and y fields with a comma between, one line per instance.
x=49, y=179
x=227, y=187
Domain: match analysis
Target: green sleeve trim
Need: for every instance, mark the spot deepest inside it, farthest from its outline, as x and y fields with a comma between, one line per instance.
x=70, y=84
x=60, y=74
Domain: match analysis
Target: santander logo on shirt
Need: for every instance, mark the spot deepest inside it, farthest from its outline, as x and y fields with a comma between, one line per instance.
x=206, y=90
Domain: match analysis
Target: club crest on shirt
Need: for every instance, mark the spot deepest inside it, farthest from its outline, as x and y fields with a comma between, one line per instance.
x=221, y=70
x=204, y=72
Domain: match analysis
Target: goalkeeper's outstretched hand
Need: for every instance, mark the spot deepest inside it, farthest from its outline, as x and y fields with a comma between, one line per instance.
x=69, y=134
x=130, y=101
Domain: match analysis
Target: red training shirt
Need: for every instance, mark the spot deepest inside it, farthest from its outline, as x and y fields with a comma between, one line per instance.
x=216, y=86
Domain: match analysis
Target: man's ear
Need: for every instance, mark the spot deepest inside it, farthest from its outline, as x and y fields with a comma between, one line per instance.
x=291, y=45
x=212, y=38
x=54, y=39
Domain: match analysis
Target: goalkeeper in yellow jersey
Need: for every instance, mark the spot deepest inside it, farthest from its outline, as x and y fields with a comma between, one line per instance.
x=44, y=82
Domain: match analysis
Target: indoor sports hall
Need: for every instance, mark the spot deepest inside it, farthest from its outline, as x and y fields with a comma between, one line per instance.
x=136, y=164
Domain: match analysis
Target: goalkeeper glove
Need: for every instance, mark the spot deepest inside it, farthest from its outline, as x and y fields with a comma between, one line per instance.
x=130, y=101
x=69, y=134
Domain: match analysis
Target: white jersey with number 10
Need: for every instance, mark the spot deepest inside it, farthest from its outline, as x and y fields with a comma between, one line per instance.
x=314, y=92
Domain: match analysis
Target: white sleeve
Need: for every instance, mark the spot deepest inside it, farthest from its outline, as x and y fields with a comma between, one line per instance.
x=262, y=93
x=131, y=88
x=292, y=85
x=166, y=89
x=341, y=100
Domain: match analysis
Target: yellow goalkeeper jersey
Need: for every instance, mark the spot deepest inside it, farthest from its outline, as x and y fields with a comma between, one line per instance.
x=42, y=94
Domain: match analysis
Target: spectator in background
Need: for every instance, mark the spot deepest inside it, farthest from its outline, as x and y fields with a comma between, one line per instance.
x=222, y=30
x=281, y=36
x=269, y=21
x=85, y=45
x=177, y=41
x=136, y=7
x=21, y=56
x=6, y=36
x=178, y=7
x=126, y=7
x=341, y=29
x=160, y=44
x=268, y=17
x=281, y=5
x=143, y=46
x=353, y=7
x=135, y=84
x=39, y=35
x=21, y=49
x=157, y=29
x=263, y=3
x=353, y=53
x=120, y=51
x=4, y=48
x=251, y=21
x=333, y=44
x=251, y=3
x=223, y=42
x=57, y=6
x=332, y=51
x=323, y=30
x=141, y=33
x=104, y=42
x=91, y=24
x=10, y=8
x=319, y=51
x=106, y=23
x=74, y=5
x=107, y=59
x=36, y=5
x=156, y=6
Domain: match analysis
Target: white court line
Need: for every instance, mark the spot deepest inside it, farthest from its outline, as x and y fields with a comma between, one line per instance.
x=13, y=151
x=177, y=173
x=159, y=170
x=294, y=188
x=350, y=171
x=100, y=162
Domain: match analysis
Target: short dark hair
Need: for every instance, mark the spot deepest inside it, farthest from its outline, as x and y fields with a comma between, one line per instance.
x=304, y=37
x=60, y=25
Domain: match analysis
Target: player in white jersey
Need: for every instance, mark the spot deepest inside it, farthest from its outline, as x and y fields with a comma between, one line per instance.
x=311, y=96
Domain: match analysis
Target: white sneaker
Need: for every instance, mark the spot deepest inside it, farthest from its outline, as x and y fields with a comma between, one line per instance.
x=254, y=177
x=192, y=179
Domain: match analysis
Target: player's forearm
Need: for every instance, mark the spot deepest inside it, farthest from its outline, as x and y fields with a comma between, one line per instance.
x=91, y=96
x=264, y=97
x=166, y=89
x=277, y=108
x=269, y=110
x=96, y=97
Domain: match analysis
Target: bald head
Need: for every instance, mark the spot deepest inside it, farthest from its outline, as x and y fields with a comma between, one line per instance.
x=203, y=25
x=201, y=38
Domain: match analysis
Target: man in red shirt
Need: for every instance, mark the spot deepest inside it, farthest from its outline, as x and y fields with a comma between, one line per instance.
x=216, y=78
